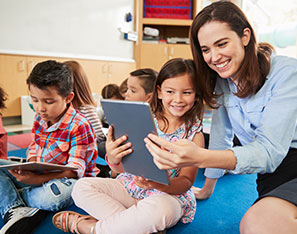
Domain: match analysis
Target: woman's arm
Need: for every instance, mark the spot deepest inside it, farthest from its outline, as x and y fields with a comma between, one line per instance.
x=184, y=153
x=187, y=176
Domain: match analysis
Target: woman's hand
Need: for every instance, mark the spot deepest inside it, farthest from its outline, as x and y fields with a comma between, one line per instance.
x=115, y=149
x=148, y=184
x=169, y=155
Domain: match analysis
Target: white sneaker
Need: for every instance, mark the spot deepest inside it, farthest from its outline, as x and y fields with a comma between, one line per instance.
x=15, y=214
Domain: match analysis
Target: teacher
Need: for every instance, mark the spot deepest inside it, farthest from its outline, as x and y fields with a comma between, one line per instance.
x=254, y=96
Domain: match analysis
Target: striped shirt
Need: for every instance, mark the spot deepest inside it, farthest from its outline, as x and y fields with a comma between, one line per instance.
x=70, y=141
x=90, y=113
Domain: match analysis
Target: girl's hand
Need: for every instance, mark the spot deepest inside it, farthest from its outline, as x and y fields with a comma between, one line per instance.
x=169, y=155
x=115, y=149
x=26, y=177
x=148, y=184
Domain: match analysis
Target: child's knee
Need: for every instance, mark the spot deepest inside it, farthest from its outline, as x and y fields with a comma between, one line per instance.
x=53, y=196
x=79, y=188
x=167, y=210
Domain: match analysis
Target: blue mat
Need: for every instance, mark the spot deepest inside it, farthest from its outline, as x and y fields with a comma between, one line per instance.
x=221, y=213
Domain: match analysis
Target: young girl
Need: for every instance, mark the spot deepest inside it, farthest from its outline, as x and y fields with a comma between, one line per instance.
x=83, y=100
x=130, y=204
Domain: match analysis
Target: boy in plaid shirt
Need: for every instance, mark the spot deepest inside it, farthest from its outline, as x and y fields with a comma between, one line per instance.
x=61, y=136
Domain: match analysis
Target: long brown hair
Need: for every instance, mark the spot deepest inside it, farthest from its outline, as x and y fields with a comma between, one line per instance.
x=256, y=63
x=173, y=68
x=81, y=87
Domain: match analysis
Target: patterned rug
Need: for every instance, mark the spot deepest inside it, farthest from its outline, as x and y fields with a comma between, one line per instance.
x=19, y=141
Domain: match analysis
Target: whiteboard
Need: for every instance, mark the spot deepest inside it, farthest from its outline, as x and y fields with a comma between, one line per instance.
x=83, y=28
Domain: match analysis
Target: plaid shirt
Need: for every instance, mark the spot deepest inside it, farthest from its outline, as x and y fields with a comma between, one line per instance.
x=71, y=141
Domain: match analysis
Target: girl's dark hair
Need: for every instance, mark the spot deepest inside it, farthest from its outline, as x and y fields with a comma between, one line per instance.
x=256, y=63
x=147, y=78
x=81, y=87
x=51, y=73
x=3, y=98
x=111, y=91
x=173, y=68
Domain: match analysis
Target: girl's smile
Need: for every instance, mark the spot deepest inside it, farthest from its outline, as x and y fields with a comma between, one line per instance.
x=177, y=96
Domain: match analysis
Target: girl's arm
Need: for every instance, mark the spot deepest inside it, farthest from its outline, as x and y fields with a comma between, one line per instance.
x=115, y=151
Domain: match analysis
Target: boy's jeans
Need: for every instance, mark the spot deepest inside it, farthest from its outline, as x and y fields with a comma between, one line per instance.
x=52, y=196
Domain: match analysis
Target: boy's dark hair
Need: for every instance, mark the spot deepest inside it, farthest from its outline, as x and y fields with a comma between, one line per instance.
x=51, y=73
x=147, y=77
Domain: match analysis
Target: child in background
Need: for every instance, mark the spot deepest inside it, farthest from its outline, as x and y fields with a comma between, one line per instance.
x=3, y=133
x=61, y=136
x=131, y=204
x=83, y=99
x=140, y=85
x=111, y=91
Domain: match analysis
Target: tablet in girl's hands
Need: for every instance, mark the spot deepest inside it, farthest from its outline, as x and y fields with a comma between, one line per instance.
x=134, y=119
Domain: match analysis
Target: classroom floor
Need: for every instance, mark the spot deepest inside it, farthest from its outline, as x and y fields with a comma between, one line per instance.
x=221, y=213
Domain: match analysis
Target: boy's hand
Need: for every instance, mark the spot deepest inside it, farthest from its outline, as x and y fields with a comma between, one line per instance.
x=115, y=149
x=26, y=177
x=148, y=184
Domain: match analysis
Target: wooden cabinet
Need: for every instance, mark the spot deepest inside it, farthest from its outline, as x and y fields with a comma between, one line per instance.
x=153, y=54
x=101, y=73
x=15, y=69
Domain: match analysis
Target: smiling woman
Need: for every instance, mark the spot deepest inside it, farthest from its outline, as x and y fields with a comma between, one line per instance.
x=248, y=86
x=218, y=45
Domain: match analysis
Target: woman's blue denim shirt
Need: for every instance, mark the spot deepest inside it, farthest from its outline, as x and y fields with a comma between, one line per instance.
x=264, y=123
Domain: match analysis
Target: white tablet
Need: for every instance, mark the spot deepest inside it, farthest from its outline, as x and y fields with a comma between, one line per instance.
x=33, y=166
x=134, y=119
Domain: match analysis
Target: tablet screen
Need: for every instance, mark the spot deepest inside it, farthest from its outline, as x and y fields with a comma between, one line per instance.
x=134, y=119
